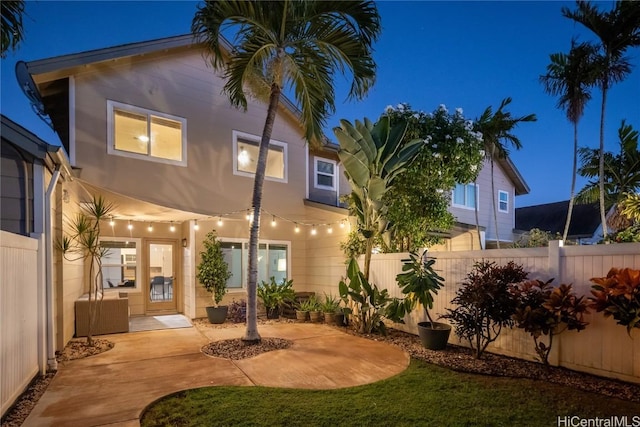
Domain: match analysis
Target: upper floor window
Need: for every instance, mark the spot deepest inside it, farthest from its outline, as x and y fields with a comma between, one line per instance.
x=245, y=155
x=144, y=134
x=324, y=174
x=503, y=201
x=465, y=196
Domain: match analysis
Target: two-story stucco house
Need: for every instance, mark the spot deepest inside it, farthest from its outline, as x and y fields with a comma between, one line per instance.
x=147, y=127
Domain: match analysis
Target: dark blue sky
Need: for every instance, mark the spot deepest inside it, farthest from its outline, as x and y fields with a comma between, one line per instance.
x=461, y=54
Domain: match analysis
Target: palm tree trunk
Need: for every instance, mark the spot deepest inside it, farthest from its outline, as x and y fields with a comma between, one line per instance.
x=573, y=181
x=603, y=213
x=475, y=208
x=251, y=333
x=493, y=202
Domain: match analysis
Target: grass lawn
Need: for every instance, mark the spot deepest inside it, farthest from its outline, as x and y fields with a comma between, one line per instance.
x=423, y=395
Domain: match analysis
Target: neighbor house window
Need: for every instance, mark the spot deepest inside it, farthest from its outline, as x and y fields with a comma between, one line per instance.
x=273, y=261
x=245, y=157
x=324, y=174
x=503, y=201
x=465, y=196
x=145, y=134
x=120, y=264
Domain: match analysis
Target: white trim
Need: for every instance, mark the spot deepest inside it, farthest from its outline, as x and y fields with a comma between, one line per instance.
x=338, y=184
x=139, y=264
x=306, y=172
x=317, y=159
x=471, y=208
x=72, y=120
x=147, y=157
x=254, y=138
x=500, y=192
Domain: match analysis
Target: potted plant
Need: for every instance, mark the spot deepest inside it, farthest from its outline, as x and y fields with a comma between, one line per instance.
x=315, y=312
x=304, y=307
x=618, y=295
x=274, y=295
x=419, y=283
x=329, y=307
x=213, y=273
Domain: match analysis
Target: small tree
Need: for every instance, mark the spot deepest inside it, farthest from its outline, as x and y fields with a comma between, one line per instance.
x=213, y=270
x=84, y=243
x=547, y=311
x=373, y=156
x=484, y=304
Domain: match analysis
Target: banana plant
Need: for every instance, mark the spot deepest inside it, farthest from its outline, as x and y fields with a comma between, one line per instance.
x=373, y=155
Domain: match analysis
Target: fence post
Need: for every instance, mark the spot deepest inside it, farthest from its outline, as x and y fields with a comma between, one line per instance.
x=556, y=273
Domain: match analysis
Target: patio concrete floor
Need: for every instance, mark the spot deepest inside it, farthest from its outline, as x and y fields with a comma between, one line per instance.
x=113, y=388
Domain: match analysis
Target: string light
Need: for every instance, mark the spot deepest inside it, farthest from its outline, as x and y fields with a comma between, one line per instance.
x=219, y=221
x=112, y=222
x=297, y=229
x=130, y=226
x=172, y=227
x=342, y=223
x=248, y=216
x=273, y=220
x=313, y=230
x=150, y=228
x=330, y=229
x=196, y=226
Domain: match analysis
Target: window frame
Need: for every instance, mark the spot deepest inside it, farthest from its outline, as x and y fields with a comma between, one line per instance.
x=317, y=159
x=138, y=241
x=465, y=205
x=500, y=193
x=235, y=134
x=111, y=148
x=245, y=259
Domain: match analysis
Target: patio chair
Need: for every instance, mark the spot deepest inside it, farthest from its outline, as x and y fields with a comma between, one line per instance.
x=157, y=282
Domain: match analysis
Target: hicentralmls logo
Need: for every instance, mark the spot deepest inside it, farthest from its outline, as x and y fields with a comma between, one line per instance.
x=614, y=421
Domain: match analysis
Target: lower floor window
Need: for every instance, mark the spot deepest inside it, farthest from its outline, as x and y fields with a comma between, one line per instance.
x=273, y=261
x=120, y=263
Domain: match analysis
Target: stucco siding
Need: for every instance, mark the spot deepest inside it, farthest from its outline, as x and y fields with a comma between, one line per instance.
x=182, y=85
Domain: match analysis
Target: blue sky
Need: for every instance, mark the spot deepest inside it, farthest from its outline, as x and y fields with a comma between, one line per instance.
x=461, y=54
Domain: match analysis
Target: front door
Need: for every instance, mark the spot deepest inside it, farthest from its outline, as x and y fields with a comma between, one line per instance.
x=162, y=291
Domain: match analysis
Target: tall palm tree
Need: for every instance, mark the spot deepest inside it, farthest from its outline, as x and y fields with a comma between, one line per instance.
x=497, y=128
x=618, y=30
x=570, y=77
x=293, y=44
x=11, y=30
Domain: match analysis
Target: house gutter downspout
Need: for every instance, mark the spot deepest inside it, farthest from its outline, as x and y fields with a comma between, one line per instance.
x=52, y=363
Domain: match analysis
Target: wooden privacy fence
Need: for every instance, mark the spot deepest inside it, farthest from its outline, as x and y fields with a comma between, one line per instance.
x=603, y=348
x=18, y=315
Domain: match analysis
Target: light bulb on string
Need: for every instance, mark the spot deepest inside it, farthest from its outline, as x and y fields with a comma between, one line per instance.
x=130, y=226
x=150, y=228
x=313, y=230
x=112, y=222
x=342, y=223
x=172, y=227
x=273, y=221
x=329, y=229
x=196, y=226
x=297, y=229
x=219, y=221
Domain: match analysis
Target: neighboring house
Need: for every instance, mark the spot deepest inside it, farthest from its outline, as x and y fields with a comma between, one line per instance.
x=585, y=226
x=32, y=174
x=508, y=183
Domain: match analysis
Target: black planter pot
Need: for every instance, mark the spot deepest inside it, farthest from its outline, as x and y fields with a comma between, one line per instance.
x=273, y=313
x=434, y=337
x=217, y=314
x=342, y=319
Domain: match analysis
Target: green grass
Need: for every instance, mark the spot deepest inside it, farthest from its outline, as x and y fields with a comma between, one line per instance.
x=423, y=395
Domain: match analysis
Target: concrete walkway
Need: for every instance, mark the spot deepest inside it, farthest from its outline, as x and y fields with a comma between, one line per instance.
x=113, y=388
